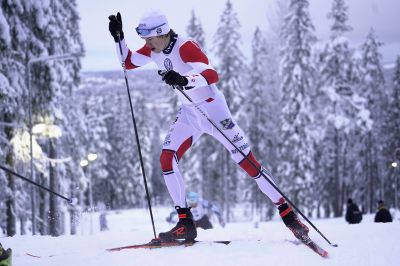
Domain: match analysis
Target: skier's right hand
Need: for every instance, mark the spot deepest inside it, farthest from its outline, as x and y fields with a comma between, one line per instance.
x=115, y=27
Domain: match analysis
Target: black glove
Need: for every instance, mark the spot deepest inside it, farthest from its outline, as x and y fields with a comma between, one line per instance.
x=174, y=78
x=115, y=26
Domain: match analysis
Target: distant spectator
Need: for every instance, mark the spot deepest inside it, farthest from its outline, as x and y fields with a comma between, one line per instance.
x=383, y=215
x=202, y=210
x=103, y=221
x=353, y=214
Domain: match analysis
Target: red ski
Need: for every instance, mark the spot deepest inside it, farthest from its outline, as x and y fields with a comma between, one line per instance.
x=312, y=245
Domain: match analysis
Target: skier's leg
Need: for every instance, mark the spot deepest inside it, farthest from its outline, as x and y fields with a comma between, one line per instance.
x=218, y=111
x=182, y=135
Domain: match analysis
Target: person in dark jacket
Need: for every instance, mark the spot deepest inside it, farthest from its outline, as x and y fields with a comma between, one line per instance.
x=353, y=214
x=383, y=215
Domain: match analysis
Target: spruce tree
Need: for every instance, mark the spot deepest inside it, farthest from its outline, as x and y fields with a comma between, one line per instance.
x=16, y=47
x=337, y=82
x=195, y=30
x=297, y=147
x=392, y=128
x=260, y=115
x=231, y=69
x=231, y=65
x=373, y=90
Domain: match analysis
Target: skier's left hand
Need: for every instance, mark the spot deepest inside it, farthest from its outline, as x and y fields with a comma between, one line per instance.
x=173, y=78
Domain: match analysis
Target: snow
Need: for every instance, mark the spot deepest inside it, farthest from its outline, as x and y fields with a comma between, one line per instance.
x=366, y=243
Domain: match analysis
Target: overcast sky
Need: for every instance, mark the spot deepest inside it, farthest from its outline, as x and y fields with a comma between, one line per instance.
x=382, y=15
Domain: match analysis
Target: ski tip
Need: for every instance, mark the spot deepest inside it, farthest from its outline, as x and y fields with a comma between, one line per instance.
x=334, y=245
x=113, y=249
x=324, y=254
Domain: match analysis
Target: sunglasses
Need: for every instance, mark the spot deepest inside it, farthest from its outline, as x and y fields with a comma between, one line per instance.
x=145, y=32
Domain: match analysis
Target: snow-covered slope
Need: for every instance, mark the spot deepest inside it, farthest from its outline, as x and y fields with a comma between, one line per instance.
x=269, y=244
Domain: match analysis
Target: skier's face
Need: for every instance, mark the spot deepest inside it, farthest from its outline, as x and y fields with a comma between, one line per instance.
x=156, y=44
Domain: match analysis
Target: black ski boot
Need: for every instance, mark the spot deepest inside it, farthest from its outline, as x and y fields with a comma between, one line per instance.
x=292, y=222
x=184, y=229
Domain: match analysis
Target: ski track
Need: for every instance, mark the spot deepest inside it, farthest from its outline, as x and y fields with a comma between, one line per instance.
x=270, y=244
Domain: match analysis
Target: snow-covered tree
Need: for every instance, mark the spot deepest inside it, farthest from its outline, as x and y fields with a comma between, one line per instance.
x=231, y=69
x=297, y=147
x=144, y=136
x=62, y=37
x=195, y=30
x=391, y=127
x=121, y=156
x=260, y=116
x=336, y=81
x=17, y=21
x=372, y=88
x=11, y=95
x=32, y=29
x=231, y=65
x=339, y=15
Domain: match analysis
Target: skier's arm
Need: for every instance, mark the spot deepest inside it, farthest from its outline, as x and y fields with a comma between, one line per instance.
x=203, y=73
x=216, y=211
x=133, y=59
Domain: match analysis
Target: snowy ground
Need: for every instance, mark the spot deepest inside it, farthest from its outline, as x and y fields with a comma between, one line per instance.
x=363, y=244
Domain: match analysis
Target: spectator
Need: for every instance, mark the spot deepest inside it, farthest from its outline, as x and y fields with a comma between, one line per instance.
x=103, y=221
x=353, y=214
x=383, y=215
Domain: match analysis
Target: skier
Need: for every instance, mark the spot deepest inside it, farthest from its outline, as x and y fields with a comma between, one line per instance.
x=5, y=256
x=383, y=215
x=201, y=209
x=187, y=66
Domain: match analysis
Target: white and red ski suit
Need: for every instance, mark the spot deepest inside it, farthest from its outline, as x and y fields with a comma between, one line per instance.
x=186, y=57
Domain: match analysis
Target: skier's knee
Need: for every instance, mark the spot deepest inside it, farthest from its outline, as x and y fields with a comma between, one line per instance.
x=253, y=168
x=166, y=159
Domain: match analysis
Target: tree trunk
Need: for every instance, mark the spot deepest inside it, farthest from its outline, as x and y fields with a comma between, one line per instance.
x=10, y=200
x=54, y=214
x=42, y=207
x=336, y=195
x=22, y=221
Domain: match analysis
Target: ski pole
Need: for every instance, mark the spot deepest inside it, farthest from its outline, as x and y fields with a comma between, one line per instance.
x=137, y=137
x=70, y=201
x=244, y=156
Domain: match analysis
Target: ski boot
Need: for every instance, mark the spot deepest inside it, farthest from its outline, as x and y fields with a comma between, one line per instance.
x=292, y=222
x=184, y=229
x=5, y=257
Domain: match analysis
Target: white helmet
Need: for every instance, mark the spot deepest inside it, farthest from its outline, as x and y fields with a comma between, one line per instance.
x=153, y=24
x=192, y=198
